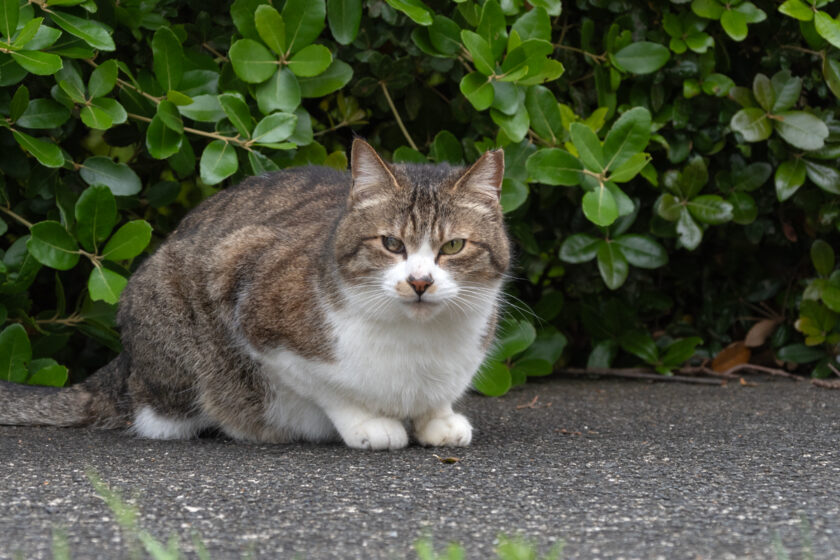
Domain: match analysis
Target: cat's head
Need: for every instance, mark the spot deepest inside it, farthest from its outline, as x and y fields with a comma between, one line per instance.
x=421, y=239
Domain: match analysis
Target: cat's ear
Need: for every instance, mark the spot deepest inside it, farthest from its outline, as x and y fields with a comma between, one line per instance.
x=485, y=176
x=372, y=179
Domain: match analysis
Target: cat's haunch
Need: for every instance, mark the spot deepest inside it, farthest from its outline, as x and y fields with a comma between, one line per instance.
x=305, y=305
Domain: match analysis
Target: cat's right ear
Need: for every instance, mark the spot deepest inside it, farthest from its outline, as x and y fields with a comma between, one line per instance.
x=372, y=179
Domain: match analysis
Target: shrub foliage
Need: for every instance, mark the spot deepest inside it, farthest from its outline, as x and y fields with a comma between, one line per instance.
x=671, y=166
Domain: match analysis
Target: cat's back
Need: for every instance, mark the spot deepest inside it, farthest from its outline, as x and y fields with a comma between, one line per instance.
x=282, y=200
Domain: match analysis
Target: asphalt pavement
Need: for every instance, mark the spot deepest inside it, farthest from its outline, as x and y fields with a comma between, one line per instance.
x=608, y=468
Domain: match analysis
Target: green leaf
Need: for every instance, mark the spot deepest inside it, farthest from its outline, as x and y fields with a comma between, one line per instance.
x=478, y=90
x=161, y=141
x=445, y=35
x=752, y=123
x=37, y=62
x=112, y=108
x=514, y=337
x=47, y=153
x=27, y=35
x=515, y=126
x=514, y=194
x=612, y=264
x=414, y=9
x=545, y=116
x=787, y=90
x=103, y=79
x=533, y=24
x=825, y=177
x=744, y=209
x=642, y=57
x=344, y=17
x=822, y=255
x=480, y=52
x=446, y=147
x=641, y=345
x=129, y=241
x=19, y=103
x=763, y=92
x=271, y=28
x=105, y=285
x=9, y=14
x=276, y=127
x=630, y=168
x=710, y=209
x=304, y=22
x=579, y=248
x=680, y=351
x=642, y=251
x=552, y=166
x=53, y=375
x=96, y=214
x=493, y=379
x=252, y=62
x=588, y=146
x=204, y=108
x=800, y=354
x=831, y=73
x=628, y=136
x=828, y=28
x=310, y=61
x=332, y=79
x=802, y=130
x=237, y=112
x=599, y=206
x=120, y=178
x=168, y=60
x=168, y=113
x=790, y=175
x=797, y=9
x=96, y=118
x=218, y=162
x=242, y=12
x=51, y=245
x=690, y=234
x=15, y=353
x=94, y=33
x=734, y=23
x=492, y=27
x=281, y=92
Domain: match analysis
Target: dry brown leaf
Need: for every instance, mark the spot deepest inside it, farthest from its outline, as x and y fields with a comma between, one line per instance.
x=760, y=332
x=733, y=355
x=447, y=460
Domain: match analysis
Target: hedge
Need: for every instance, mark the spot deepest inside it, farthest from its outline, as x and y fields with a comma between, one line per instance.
x=671, y=167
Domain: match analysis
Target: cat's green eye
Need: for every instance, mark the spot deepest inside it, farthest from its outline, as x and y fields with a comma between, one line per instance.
x=393, y=244
x=452, y=246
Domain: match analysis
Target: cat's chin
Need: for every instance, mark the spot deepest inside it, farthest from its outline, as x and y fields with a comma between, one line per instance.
x=421, y=310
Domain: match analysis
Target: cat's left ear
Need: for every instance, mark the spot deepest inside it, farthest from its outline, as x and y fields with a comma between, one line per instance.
x=485, y=176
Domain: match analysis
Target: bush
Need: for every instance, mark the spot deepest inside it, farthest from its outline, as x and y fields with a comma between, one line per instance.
x=671, y=166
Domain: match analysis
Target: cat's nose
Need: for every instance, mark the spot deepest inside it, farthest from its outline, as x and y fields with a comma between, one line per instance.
x=421, y=284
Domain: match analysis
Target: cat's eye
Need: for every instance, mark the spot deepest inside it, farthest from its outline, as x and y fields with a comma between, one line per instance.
x=452, y=246
x=393, y=244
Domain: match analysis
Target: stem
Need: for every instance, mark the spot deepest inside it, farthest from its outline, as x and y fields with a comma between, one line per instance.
x=215, y=53
x=17, y=217
x=213, y=135
x=397, y=115
x=596, y=57
x=820, y=54
x=123, y=84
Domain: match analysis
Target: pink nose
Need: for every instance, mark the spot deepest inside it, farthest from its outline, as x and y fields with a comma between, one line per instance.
x=421, y=284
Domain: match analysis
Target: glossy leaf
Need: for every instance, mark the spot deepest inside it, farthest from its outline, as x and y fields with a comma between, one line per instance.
x=271, y=28
x=414, y=9
x=752, y=123
x=281, y=92
x=274, y=128
x=47, y=153
x=627, y=137
x=642, y=251
x=588, y=147
x=15, y=354
x=478, y=90
x=304, y=21
x=344, y=17
x=802, y=130
x=218, y=162
x=105, y=285
x=553, y=166
x=168, y=58
x=493, y=379
x=94, y=33
x=129, y=241
x=96, y=215
x=251, y=61
x=332, y=79
x=161, y=141
x=642, y=57
x=790, y=175
x=120, y=178
x=43, y=113
x=53, y=246
x=310, y=61
x=599, y=206
x=37, y=62
x=612, y=264
x=579, y=248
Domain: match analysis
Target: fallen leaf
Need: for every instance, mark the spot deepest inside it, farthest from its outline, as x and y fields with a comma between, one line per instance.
x=447, y=460
x=760, y=332
x=745, y=383
x=733, y=355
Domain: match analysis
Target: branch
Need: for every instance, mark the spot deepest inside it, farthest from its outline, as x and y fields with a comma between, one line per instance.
x=638, y=373
x=19, y=218
x=214, y=135
x=397, y=115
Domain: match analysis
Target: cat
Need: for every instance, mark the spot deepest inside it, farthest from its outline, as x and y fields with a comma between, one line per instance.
x=307, y=304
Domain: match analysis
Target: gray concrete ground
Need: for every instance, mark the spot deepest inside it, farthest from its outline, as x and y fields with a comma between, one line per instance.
x=614, y=469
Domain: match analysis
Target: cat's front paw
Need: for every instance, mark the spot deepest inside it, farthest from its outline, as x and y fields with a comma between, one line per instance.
x=450, y=431
x=377, y=434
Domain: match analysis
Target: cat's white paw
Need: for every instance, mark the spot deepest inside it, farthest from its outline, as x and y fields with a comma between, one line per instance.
x=450, y=431
x=377, y=434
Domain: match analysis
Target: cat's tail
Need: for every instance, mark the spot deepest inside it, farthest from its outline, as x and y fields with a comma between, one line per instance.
x=99, y=401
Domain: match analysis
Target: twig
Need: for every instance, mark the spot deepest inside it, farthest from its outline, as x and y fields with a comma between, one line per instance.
x=397, y=115
x=216, y=136
x=17, y=217
x=730, y=373
x=215, y=53
x=826, y=384
x=635, y=373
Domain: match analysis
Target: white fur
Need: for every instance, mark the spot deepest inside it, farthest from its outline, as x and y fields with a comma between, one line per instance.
x=395, y=360
x=150, y=424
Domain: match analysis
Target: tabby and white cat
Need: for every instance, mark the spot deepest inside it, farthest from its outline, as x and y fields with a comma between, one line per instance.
x=303, y=305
